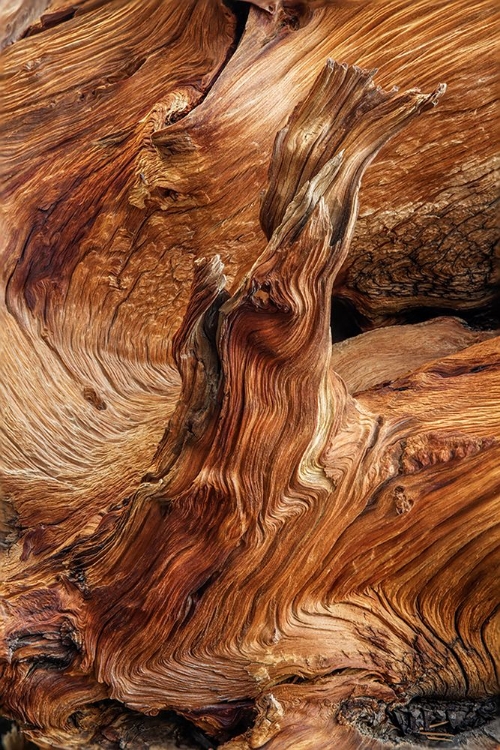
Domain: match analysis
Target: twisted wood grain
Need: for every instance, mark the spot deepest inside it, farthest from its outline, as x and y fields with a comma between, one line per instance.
x=206, y=507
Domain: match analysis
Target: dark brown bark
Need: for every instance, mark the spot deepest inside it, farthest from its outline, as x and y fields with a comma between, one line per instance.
x=220, y=524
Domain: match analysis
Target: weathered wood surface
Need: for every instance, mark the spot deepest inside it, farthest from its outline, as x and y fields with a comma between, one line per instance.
x=206, y=507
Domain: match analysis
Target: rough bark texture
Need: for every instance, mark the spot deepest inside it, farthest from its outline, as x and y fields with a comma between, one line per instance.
x=223, y=519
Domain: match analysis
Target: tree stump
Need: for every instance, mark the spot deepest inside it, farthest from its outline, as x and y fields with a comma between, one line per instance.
x=250, y=459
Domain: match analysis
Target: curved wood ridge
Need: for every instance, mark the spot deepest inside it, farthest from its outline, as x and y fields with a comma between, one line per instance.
x=209, y=507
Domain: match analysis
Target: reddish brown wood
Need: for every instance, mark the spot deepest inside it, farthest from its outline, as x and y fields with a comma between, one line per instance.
x=220, y=522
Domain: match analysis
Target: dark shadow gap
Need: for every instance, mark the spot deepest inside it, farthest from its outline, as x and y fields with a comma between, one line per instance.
x=481, y=318
x=240, y=11
x=347, y=322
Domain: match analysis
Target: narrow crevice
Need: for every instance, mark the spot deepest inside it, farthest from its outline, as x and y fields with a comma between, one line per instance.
x=50, y=20
x=240, y=12
x=16, y=25
x=345, y=321
x=55, y=18
x=234, y=718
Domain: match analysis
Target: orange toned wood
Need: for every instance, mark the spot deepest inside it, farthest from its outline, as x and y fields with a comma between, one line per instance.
x=220, y=523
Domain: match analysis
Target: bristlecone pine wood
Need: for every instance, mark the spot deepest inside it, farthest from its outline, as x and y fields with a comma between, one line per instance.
x=225, y=520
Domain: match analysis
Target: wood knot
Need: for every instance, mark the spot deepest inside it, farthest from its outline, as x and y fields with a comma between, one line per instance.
x=403, y=502
x=91, y=395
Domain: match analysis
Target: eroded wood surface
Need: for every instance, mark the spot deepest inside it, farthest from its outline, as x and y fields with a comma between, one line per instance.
x=206, y=507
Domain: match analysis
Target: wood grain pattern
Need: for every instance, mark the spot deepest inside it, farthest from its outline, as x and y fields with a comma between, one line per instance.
x=208, y=508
